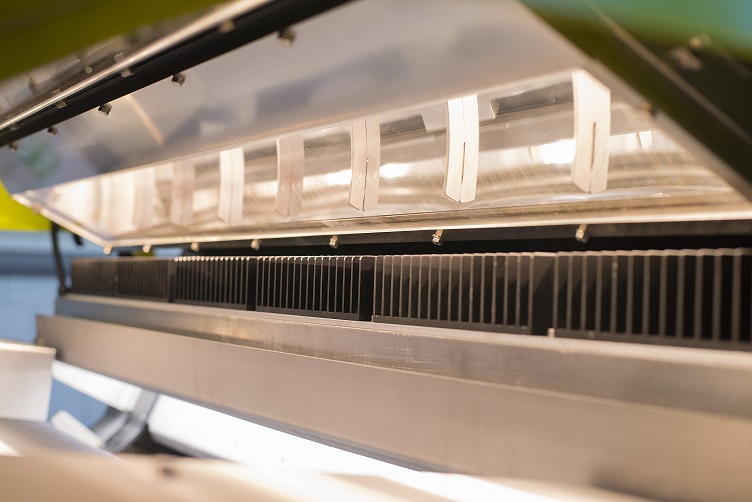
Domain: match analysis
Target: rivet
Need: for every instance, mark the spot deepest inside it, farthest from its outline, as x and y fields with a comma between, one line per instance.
x=146, y=248
x=334, y=241
x=107, y=250
x=194, y=247
x=105, y=109
x=256, y=244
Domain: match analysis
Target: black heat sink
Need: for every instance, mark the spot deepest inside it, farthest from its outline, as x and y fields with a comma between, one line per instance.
x=699, y=298
x=508, y=292
x=323, y=286
x=226, y=282
x=92, y=276
x=143, y=278
x=140, y=278
x=696, y=298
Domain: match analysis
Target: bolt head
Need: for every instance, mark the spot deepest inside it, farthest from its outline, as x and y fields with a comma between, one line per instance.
x=286, y=36
x=438, y=238
x=581, y=234
x=105, y=109
x=178, y=80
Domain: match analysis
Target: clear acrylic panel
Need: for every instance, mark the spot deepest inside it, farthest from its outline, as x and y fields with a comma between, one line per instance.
x=519, y=158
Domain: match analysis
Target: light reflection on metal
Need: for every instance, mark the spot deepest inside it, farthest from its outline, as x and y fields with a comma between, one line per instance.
x=290, y=172
x=592, y=129
x=463, y=142
x=366, y=161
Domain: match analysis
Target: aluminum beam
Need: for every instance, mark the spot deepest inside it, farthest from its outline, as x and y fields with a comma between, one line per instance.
x=458, y=423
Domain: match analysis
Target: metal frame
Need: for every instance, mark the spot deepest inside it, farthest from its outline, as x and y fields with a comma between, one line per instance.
x=648, y=421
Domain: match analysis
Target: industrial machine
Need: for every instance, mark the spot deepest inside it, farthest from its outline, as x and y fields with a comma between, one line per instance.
x=506, y=239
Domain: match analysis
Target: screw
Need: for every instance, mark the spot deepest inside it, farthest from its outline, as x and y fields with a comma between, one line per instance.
x=13, y=146
x=88, y=69
x=178, y=79
x=334, y=241
x=146, y=248
x=581, y=234
x=286, y=36
x=107, y=250
x=700, y=42
x=52, y=130
x=255, y=244
x=438, y=237
x=105, y=109
x=227, y=26
x=194, y=247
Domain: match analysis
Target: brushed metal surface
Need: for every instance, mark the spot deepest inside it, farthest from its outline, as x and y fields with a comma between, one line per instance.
x=25, y=381
x=691, y=379
x=460, y=424
x=25, y=438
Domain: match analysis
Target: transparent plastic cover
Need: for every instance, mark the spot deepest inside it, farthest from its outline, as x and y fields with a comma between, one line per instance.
x=562, y=149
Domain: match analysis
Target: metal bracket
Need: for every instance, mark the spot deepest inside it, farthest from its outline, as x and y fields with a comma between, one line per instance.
x=463, y=136
x=290, y=171
x=592, y=129
x=366, y=160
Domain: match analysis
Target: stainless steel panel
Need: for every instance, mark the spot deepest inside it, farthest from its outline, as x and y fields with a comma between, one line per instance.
x=691, y=379
x=25, y=381
x=153, y=478
x=456, y=423
x=22, y=438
